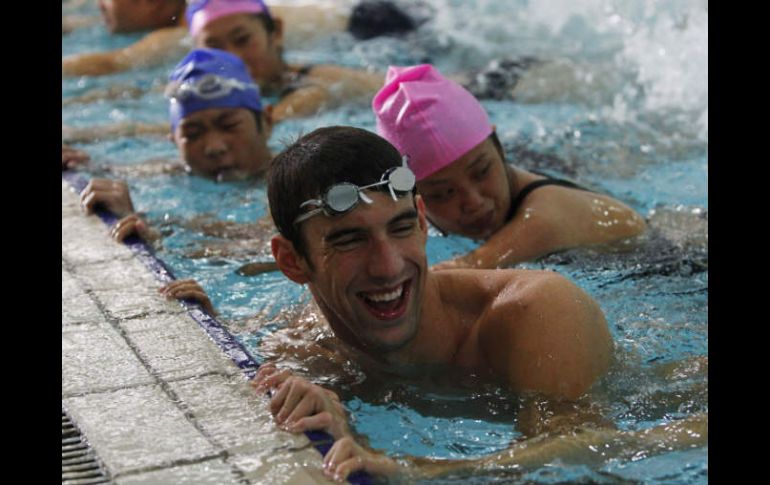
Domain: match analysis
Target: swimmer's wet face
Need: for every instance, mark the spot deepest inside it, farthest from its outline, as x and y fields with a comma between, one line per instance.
x=217, y=119
x=366, y=266
x=368, y=269
x=248, y=37
x=223, y=143
x=472, y=195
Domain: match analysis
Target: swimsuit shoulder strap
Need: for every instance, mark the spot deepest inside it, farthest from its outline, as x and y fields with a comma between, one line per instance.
x=535, y=185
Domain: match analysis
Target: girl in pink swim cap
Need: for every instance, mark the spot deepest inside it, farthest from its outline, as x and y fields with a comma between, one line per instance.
x=470, y=190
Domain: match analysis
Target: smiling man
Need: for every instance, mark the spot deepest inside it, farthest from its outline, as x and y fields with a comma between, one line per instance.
x=353, y=230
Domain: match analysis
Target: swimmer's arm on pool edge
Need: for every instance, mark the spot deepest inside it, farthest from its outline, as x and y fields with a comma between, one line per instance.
x=188, y=289
x=298, y=405
x=583, y=446
x=112, y=195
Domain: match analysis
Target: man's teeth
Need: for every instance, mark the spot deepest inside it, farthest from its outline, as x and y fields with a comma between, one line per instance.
x=383, y=297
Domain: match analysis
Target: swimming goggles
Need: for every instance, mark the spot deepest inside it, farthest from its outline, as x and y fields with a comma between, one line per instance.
x=344, y=196
x=208, y=86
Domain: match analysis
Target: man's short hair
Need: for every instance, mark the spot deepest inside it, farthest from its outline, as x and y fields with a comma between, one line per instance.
x=318, y=160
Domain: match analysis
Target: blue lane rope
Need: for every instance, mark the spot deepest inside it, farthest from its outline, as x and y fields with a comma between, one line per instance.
x=322, y=441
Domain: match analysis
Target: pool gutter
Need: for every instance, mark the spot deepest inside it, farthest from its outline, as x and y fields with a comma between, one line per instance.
x=159, y=389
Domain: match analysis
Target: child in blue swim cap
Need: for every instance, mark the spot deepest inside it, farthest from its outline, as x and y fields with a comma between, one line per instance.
x=219, y=125
x=218, y=121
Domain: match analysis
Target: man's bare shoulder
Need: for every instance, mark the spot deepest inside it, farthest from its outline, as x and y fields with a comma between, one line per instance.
x=540, y=297
x=499, y=282
x=544, y=333
x=488, y=293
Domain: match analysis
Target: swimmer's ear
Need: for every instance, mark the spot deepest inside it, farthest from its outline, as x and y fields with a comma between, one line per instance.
x=289, y=262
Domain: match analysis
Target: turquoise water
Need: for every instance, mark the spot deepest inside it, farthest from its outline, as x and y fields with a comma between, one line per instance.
x=642, y=139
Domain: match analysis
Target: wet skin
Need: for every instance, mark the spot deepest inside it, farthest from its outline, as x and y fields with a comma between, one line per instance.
x=245, y=36
x=368, y=270
x=470, y=196
x=223, y=143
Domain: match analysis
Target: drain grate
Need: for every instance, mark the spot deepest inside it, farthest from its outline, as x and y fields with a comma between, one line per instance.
x=79, y=463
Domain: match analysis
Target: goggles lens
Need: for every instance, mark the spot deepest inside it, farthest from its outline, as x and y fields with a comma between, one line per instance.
x=401, y=179
x=341, y=197
x=344, y=196
x=207, y=87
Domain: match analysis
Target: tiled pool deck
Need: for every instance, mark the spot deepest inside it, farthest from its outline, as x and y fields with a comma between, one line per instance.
x=156, y=398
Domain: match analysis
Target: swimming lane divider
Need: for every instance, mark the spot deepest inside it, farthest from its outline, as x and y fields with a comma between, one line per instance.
x=322, y=441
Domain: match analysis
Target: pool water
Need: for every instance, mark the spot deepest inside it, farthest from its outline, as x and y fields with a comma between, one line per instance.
x=637, y=131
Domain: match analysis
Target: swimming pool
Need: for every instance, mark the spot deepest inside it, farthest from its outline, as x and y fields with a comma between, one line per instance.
x=640, y=135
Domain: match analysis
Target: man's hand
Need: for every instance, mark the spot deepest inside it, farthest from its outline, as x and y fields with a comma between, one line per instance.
x=346, y=456
x=184, y=289
x=299, y=405
x=111, y=194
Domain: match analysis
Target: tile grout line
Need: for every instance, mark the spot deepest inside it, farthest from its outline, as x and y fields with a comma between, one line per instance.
x=209, y=325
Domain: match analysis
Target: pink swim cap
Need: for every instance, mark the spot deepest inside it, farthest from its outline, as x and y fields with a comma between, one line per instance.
x=201, y=12
x=431, y=119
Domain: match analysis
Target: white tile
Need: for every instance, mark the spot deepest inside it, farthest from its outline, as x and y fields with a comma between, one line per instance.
x=232, y=414
x=135, y=301
x=69, y=287
x=212, y=472
x=86, y=240
x=133, y=429
x=176, y=347
x=115, y=275
x=94, y=357
x=282, y=467
x=79, y=308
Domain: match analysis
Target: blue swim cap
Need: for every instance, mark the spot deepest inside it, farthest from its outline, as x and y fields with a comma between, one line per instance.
x=210, y=78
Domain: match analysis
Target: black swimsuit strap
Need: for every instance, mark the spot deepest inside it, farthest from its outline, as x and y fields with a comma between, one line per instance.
x=534, y=185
